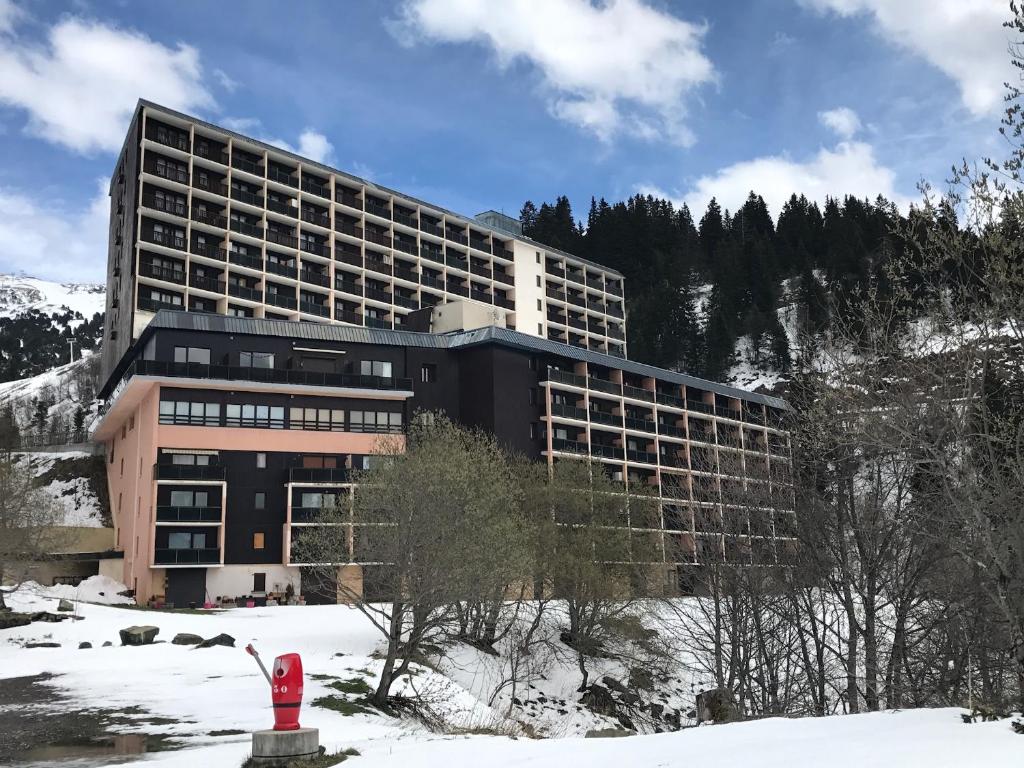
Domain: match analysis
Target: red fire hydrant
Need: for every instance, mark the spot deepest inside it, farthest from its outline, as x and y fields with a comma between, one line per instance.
x=285, y=688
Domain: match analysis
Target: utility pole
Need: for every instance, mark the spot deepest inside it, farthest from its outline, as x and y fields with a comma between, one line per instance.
x=71, y=343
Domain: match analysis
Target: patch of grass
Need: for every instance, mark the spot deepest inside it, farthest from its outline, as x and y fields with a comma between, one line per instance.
x=226, y=732
x=322, y=677
x=343, y=706
x=320, y=761
x=356, y=686
x=193, y=611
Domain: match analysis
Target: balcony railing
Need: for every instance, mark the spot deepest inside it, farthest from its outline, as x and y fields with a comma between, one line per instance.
x=348, y=228
x=285, y=270
x=639, y=425
x=186, y=471
x=503, y=277
x=314, y=308
x=186, y=556
x=480, y=245
x=316, y=278
x=671, y=430
x=348, y=286
x=169, y=172
x=337, y=475
x=431, y=254
x=637, y=393
x=205, y=283
x=409, y=302
x=244, y=227
x=280, y=237
x=456, y=237
x=168, y=239
x=245, y=292
x=285, y=209
x=244, y=196
x=406, y=274
x=281, y=300
x=162, y=273
x=247, y=165
x=456, y=263
x=316, y=217
x=567, y=377
x=206, y=216
x=603, y=417
x=172, y=514
x=282, y=177
x=209, y=250
x=378, y=209
x=696, y=405
x=165, y=204
x=568, y=446
x=431, y=228
x=569, y=412
x=603, y=385
x=170, y=139
x=377, y=265
x=154, y=305
x=644, y=457
x=317, y=249
x=245, y=260
x=349, y=198
x=407, y=219
x=355, y=258
x=316, y=188
x=266, y=375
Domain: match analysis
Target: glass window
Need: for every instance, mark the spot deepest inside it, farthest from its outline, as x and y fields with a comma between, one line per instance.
x=199, y=355
x=261, y=460
x=260, y=501
x=181, y=498
x=428, y=373
x=312, y=500
x=198, y=541
x=258, y=540
x=375, y=368
x=179, y=540
x=256, y=359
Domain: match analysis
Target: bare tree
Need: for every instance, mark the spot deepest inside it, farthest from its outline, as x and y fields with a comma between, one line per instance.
x=434, y=527
x=29, y=521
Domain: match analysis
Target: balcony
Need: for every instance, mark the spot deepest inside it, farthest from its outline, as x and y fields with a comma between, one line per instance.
x=567, y=377
x=614, y=289
x=347, y=316
x=245, y=292
x=431, y=228
x=245, y=228
x=503, y=277
x=595, y=282
x=209, y=250
x=554, y=293
x=431, y=282
x=407, y=219
x=698, y=406
x=216, y=186
x=186, y=557
x=456, y=262
x=152, y=305
x=332, y=475
x=176, y=207
x=377, y=265
x=504, y=303
x=727, y=413
x=162, y=273
x=245, y=164
x=456, y=237
x=319, y=218
x=371, y=321
x=348, y=286
x=186, y=471
x=282, y=176
x=431, y=254
x=577, y=322
x=245, y=260
x=603, y=385
x=348, y=228
x=481, y=269
x=458, y=290
x=642, y=457
x=285, y=209
x=606, y=418
x=282, y=237
x=315, y=308
x=171, y=514
x=350, y=199
x=346, y=256
x=281, y=300
x=569, y=446
x=267, y=375
x=377, y=236
x=672, y=400
x=310, y=514
x=670, y=430
x=211, y=284
x=166, y=239
x=378, y=294
x=317, y=249
x=409, y=302
x=405, y=273
x=554, y=269
x=480, y=245
x=405, y=246
x=569, y=412
x=639, y=425
x=577, y=299
x=169, y=139
x=206, y=216
x=316, y=278
x=316, y=188
x=378, y=208
x=615, y=310
x=169, y=172
x=284, y=270
x=244, y=196
x=637, y=394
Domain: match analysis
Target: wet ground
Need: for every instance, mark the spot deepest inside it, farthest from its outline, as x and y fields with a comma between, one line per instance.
x=39, y=726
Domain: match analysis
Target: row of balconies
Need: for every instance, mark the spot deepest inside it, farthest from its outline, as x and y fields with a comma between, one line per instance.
x=587, y=301
x=595, y=280
x=438, y=225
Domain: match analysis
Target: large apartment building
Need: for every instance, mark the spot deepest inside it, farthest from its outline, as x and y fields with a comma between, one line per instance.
x=205, y=219
x=225, y=436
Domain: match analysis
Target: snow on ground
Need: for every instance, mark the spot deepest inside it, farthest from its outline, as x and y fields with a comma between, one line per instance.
x=204, y=690
x=102, y=590
x=19, y=294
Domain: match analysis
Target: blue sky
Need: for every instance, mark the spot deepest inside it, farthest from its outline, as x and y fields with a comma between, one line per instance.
x=475, y=105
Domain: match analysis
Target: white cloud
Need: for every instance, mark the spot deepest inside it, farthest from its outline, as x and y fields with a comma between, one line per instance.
x=615, y=67
x=225, y=80
x=10, y=14
x=80, y=87
x=849, y=168
x=312, y=144
x=842, y=120
x=963, y=38
x=49, y=240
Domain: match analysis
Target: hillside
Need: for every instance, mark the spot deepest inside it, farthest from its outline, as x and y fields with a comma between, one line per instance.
x=19, y=294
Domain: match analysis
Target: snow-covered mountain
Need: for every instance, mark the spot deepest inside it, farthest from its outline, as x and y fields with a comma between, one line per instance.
x=19, y=293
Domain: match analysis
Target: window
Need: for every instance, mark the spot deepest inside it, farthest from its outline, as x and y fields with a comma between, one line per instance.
x=261, y=461
x=191, y=459
x=260, y=500
x=533, y=430
x=428, y=373
x=186, y=541
x=374, y=421
x=199, y=355
x=162, y=297
x=533, y=396
x=256, y=359
x=319, y=462
x=538, y=281
x=375, y=368
x=258, y=542
x=540, y=328
x=538, y=257
x=540, y=305
x=252, y=415
x=318, y=419
x=189, y=498
x=259, y=582
x=182, y=412
x=316, y=500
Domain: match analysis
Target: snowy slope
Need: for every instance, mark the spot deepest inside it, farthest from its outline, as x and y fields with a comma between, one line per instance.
x=205, y=692
x=19, y=293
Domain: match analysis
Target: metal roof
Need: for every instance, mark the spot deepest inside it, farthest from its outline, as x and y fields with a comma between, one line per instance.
x=373, y=185
x=354, y=334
